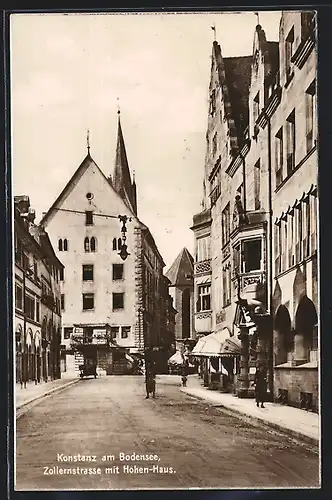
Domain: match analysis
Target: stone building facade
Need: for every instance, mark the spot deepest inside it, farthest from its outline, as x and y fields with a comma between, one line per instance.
x=37, y=299
x=112, y=267
x=294, y=186
x=236, y=285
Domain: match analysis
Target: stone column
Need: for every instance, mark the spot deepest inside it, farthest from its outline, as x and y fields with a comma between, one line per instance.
x=243, y=378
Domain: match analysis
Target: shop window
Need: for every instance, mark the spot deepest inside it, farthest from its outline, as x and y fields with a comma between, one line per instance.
x=118, y=300
x=88, y=301
x=117, y=272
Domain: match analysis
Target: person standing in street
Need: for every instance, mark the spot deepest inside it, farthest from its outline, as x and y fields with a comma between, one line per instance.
x=260, y=387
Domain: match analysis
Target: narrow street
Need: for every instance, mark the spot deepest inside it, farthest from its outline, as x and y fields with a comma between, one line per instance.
x=204, y=446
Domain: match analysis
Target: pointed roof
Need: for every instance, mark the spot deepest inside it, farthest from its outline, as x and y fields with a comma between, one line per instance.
x=181, y=271
x=86, y=163
x=121, y=179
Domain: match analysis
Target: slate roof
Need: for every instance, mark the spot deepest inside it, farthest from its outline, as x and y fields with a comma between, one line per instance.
x=181, y=271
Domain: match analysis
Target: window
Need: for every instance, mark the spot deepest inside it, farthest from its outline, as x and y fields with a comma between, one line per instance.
x=114, y=332
x=62, y=273
x=252, y=254
x=226, y=285
x=114, y=243
x=88, y=218
x=203, y=249
x=257, y=185
x=310, y=109
x=290, y=240
x=25, y=261
x=226, y=224
x=306, y=228
x=29, y=307
x=213, y=102
x=203, y=302
x=62, y=302
x=37, y=311
x=119, y=243
x=18, y=297
x=313, y=224
x=60, y=245
x=117, y=272
x=93, y=244
x=289, y=45
x=86, y=244
x=298, y=235
x=118, y=300
x=214, y=143
x=279, y=157
x=256, y=106
x=277, y=248
x=290, y=125
x=88, y=301
x=67, y=331
x=65, y=245
x=87, y=272
x=125, y=331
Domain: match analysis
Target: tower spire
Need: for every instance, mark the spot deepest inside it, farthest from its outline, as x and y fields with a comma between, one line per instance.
x=88, y=140
x=213, y=27
x=257, y=16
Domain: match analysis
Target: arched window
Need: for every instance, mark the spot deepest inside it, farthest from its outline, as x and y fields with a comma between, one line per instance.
x=60, y=245
x=86, y=245
x=306, y=322
x=119, y=244
x=93, y=244
x=114, y=243
x=65, y=245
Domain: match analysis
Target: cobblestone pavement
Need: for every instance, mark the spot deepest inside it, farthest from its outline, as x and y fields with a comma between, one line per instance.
x=193, y=444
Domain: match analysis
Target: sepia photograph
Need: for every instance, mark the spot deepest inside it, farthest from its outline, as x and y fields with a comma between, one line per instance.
x=165, y=210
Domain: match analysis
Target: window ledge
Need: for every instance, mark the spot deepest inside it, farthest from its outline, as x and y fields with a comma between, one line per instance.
x=295, y=169
x=88, y=310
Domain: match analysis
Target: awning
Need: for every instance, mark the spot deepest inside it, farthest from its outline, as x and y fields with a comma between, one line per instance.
x=176, y=359
x=211, y=345
x=231, y=347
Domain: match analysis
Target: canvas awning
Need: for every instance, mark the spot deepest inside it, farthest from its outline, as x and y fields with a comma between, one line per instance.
x=211, y=345
x=231, y=347
x=176, y=359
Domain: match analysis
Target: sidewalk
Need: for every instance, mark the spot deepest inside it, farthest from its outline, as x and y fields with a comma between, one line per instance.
x=296, y=422
x=33, y=392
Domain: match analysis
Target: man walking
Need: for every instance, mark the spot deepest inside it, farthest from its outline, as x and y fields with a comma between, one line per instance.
x=260, y=387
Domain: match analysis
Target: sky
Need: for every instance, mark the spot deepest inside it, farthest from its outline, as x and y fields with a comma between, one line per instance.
x=70, y=72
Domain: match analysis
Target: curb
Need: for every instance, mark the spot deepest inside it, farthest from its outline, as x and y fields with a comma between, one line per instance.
x=267, y=423
x=47, y=393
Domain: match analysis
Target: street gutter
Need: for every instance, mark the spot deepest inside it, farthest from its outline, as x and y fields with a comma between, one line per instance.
x=267, y=423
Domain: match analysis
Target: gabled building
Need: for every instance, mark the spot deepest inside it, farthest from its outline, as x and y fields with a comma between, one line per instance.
x=256, y=262
x=112, y=266
x=181, y=289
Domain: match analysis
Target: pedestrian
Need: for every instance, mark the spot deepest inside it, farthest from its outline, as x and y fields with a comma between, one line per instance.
x=260, y=387
x=150, y=384
x=184, y=380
